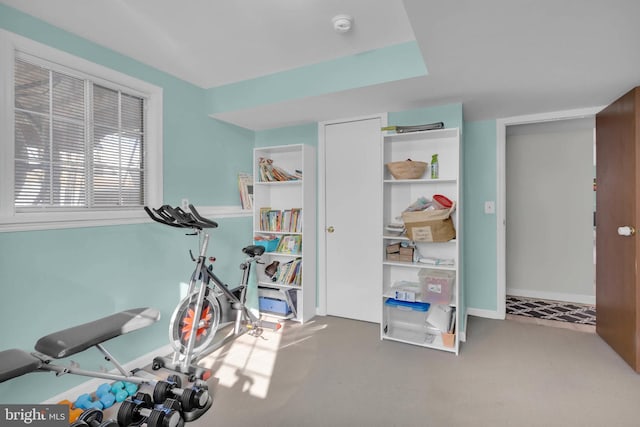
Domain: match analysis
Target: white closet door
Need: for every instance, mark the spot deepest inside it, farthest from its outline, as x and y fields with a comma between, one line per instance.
x=353, y=220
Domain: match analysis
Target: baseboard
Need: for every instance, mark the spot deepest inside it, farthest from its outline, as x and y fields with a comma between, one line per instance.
x=553, y=296
x=91, y=385
x=489, y=314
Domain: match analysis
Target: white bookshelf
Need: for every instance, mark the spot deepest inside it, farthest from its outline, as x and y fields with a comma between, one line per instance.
x=282, y=196
x=408, y=324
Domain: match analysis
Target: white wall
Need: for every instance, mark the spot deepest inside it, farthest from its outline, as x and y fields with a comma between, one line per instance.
x=549, y=179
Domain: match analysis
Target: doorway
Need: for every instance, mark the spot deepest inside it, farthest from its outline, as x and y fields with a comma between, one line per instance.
x=550, y=169
x=552, y=121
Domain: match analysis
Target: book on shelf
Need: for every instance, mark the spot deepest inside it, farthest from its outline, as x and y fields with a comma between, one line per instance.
x=290, y=244
x=245, y=186
x=288, y=220
x=289, y=273
x=295, y=223
x=269, y=172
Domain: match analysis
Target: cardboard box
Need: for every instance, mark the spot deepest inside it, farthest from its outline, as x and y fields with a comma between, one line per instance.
x=399, y=257
x=406, y=251
x=393, y=248
x=430, y=226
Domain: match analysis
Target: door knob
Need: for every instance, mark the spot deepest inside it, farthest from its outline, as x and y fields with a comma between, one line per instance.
x=626, y=231
x=330, y=229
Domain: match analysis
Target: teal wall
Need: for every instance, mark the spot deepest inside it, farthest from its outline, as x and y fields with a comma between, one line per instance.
x=301, y=134
x=397, y=62
x=57, y=278
x=480, y=258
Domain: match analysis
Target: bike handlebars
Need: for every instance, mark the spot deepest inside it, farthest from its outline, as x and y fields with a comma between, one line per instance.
x=176, y=217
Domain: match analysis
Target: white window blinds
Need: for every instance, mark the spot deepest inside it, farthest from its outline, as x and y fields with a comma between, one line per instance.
x=78, y=145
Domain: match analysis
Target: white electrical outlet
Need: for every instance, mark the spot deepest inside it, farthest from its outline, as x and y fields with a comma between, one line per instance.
x=489, y=207
x=185, y=204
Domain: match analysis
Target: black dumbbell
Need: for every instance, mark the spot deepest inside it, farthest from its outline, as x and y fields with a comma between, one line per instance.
x=174, y=405
x=189, y=398
x=93, y=418
x=139, y=409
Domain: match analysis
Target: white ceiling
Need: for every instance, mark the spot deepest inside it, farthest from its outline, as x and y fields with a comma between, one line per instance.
x=499, y=58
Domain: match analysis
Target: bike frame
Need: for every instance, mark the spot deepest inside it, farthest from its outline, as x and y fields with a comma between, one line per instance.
x=203, y=279
x=200, y=282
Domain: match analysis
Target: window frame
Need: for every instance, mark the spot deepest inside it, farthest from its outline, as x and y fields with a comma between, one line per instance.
x=10, y=220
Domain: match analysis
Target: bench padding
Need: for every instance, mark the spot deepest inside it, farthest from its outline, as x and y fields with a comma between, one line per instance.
x=14, y=363
x=79, y=338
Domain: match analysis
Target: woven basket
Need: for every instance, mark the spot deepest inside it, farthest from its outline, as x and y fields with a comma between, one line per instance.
x=407, y=169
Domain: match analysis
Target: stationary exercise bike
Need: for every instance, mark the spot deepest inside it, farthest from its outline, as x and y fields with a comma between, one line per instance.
x=202, y=312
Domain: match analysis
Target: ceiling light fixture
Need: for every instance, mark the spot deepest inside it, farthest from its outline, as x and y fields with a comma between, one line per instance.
x=342, y=23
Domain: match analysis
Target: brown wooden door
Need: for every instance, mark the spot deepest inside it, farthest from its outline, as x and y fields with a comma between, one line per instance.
x=617, y=175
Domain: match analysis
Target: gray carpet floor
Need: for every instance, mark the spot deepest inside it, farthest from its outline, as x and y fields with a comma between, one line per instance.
x=337, y=372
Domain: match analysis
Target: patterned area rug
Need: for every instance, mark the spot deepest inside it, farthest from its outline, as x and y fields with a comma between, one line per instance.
x=552, y=310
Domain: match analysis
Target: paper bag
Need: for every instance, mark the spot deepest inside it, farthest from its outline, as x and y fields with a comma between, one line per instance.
x=430, y=226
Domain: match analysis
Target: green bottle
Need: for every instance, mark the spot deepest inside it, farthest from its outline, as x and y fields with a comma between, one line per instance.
x=434, y=166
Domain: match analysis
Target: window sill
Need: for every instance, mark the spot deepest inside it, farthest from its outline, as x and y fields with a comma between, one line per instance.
x=59, y=220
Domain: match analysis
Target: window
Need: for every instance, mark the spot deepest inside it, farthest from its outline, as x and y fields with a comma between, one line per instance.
x=84, y=145
x=77, y=144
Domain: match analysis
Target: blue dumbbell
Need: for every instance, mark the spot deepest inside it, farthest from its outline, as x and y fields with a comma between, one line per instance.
x=97, y=405
x=107, y=398
x=119, y=391
x=131, y=388
x=103, y=389
x=118, y=385
x=85, y=401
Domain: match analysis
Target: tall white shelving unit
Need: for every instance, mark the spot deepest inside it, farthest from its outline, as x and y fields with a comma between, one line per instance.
x=408, y=323
x=282, y=196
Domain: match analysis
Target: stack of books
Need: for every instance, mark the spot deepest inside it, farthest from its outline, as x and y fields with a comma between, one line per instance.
x=289, y=273
x=288, y=220
x=270, y=172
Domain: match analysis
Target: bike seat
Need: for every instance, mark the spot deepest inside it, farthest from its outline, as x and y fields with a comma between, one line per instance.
x=253, y=250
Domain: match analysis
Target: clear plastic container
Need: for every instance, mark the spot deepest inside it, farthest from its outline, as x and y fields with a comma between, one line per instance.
x=436, y=285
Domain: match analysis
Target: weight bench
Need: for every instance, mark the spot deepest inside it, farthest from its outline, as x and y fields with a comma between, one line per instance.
x=65, y=343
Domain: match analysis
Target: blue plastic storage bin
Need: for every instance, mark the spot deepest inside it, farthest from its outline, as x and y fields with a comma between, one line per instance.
x=269, y=245
x=415, y=306
x=274, y=306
